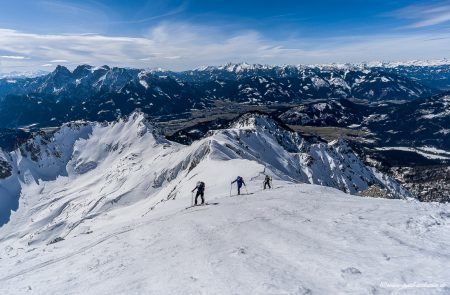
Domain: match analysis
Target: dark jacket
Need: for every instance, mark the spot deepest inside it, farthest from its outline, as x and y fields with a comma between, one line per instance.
x=240, y=181
x=200, y=187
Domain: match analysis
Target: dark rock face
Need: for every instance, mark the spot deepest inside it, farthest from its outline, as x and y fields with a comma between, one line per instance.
x=374, y=192
x=427, y=183
x=5, y=169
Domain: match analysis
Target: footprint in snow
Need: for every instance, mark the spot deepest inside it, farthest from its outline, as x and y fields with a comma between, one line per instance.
x=240, y=251
x=194, y=279
x=304, y=291
x=350, y=271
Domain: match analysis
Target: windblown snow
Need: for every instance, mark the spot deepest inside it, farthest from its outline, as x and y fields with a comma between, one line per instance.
x=102, y=211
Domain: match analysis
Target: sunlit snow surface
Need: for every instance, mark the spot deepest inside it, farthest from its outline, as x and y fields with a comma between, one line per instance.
x=289, y=240
x=103, y=212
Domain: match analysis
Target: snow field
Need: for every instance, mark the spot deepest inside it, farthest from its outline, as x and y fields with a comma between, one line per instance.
x=298, y=239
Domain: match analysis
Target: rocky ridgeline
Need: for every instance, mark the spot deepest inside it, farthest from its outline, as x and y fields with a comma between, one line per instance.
x=427, y=183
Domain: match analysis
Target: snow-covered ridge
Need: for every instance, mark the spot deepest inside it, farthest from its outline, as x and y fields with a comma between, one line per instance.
x=409, y=63
x=21, y=75
x=244, y=66
x=90, y=167
x=116, y=209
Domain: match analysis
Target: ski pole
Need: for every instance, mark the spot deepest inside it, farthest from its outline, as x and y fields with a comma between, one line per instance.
x=246, y=191
x=192, y=199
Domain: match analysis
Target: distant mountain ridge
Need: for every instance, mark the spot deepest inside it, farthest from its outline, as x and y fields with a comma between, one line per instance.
x=26, y=74
x=416, y=123
x=104, y=93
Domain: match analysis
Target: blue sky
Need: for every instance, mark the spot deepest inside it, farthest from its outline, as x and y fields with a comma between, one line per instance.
x=182, y=34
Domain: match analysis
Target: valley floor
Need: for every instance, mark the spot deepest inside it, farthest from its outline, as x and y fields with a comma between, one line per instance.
x=295, y=239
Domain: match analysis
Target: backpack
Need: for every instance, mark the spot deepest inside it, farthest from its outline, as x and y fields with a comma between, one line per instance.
x=201, y=185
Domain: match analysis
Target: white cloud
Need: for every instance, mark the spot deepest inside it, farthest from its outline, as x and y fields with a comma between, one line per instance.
x=183, y=46
x=434, y=20
x=425, y=15
x=13, y=57
x=59, y=61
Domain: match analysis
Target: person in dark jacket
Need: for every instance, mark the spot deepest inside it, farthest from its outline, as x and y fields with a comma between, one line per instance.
x=267, y=181
x=200, y=192
x=239, y=181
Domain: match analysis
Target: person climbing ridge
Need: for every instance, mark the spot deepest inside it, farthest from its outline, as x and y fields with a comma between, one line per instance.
x=200, y=192
x=239, y=181
x=267, y=181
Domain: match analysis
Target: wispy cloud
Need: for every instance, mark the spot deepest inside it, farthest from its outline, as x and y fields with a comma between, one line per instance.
x=169, y=13
x=182, y=46
x=61, y=6
x=425, y=15
x=13, y=57
x=59, y=61
x=173, y=57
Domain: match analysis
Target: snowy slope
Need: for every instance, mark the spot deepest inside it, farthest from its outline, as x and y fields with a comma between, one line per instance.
x=102, y=211
x=295, y=239
x=89, y=166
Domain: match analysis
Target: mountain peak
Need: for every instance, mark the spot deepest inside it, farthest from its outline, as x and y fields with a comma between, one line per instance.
x=82, y=69
x=235, y=67
x=61, y=70
x=86, y=69
x=258, y=120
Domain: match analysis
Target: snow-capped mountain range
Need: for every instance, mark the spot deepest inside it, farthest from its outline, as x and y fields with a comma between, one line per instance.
x=22, y=75
x=433, y=73
x=409, y=63
x=244, y=66
x=104, y=93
